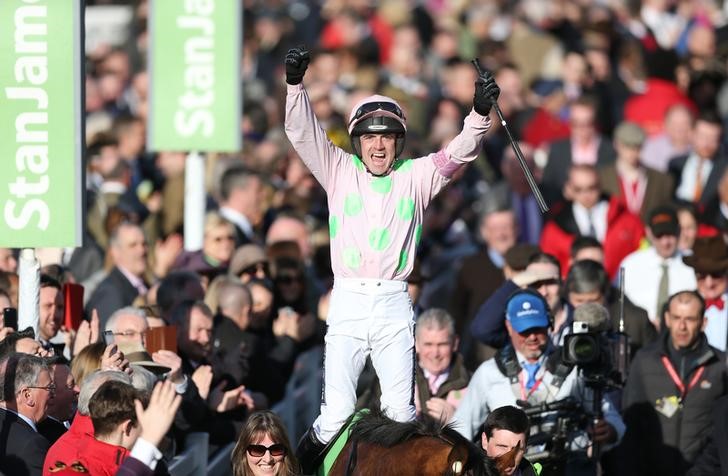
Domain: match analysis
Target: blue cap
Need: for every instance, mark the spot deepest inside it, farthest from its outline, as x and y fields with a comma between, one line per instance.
x=526, y=311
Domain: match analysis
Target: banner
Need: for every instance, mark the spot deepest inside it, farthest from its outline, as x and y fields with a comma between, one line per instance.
x=41, y=106
x=194, y=74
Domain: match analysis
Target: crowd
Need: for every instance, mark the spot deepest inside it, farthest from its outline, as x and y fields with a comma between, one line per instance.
x=619, y=108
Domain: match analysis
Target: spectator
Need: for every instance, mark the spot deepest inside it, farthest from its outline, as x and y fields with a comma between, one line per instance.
x=697, y=174
x=530, y=359
x=176, y=288
x=655, y=273
x=128, y=324
x=218, y=245
x=28, y=388
x=71, y=445
x=126, y=280
x=639, y=187
x=585, y=146
x=51, y=312
x=709, y=260
x=589, y=213
x=22, y=342
x=249, y=262
x=673, y=141
x=505, y=432
x=712, y=461
x=8, y=261
x=688, y=228
x=670, y=391
x=263, y=448
x=242, y=193
x=63, y=405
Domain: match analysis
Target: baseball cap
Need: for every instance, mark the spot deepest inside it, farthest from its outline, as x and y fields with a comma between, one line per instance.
x=663, y=221
x=526, y=310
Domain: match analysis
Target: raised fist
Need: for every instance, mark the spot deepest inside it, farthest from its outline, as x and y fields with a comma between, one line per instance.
x=486, y=93
x=296, y=64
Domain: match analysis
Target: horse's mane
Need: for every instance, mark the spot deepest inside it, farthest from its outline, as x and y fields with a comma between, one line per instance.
x=376, y=428
x=373, y=427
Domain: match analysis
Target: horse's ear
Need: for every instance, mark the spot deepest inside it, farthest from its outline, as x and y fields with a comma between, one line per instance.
x=456, y=459
x=507, y=460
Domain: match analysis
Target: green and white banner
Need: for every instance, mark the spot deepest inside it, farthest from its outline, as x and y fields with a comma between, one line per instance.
x=194, y=68
x=41, y=105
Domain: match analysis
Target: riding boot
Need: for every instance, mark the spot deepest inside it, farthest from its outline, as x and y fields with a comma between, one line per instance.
x=310, y=452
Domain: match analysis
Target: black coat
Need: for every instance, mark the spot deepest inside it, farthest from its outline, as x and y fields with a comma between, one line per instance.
x=710, y=190
x=51, y=429
x=658, y=444
x=22, y=450
x=713, y=461
x=557, y=168
x=113, y=293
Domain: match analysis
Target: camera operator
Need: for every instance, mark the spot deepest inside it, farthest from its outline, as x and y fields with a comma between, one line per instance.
x=529, y=370
x=505, y=433
x=671, y=389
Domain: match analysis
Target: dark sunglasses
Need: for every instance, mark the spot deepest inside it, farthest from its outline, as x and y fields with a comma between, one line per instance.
x=377, y=106
x=253, y=269
x=256, y=451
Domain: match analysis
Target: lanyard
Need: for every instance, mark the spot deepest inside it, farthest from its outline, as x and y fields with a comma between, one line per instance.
x=524, y=395
x=675, y=378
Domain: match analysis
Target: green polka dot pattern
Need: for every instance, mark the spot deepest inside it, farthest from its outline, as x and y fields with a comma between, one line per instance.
x=353, y=204
x=379, y=239
x=402, y=261
x=406, y=208
x=357, y=162
x=352, y=258
x=333, y=226
x=381, y=184
x=418, y=234
x=402, y=166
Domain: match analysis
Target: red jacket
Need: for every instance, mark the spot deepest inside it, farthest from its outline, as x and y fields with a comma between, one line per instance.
x=79, y=444
x=624, y=233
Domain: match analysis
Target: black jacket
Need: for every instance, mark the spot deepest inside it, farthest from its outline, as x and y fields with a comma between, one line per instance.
x=22, y=450
x=713, y=461
x=51, y=429
x=658, y=444
x=113, y=293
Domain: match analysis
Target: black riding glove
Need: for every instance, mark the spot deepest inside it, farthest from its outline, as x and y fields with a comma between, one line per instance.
x=296, y=64
x=486, y=93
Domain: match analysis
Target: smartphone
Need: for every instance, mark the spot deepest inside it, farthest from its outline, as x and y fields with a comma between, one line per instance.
x=73, y=294
x=10, y=317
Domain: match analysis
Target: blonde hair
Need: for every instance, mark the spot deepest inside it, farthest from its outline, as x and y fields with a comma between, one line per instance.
x=87, y=361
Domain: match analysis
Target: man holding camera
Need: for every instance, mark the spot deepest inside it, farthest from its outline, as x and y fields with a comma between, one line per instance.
x=672, y=386
x=529, y=372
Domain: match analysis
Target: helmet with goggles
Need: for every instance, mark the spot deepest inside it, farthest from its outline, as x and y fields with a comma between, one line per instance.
x=377, y=115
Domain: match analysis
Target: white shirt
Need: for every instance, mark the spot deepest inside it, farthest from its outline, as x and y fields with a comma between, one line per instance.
x=238, y=219
x=24, y=418
x=716, y=330
x=643, y=272
x=686, y=190
x=598, y=216
x=146, y=452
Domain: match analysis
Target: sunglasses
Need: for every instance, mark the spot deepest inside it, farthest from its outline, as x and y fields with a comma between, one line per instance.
x=377, y=106
x=257, y=451
x=253, y=269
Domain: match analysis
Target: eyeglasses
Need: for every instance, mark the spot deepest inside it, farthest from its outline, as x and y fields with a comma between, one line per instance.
x=256, y=451
x=255, y=268
x=377, y=106
x=125, y=333
x=50, y=388
x=713, y=274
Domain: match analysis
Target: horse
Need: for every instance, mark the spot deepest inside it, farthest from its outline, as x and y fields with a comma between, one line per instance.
x=381, y=446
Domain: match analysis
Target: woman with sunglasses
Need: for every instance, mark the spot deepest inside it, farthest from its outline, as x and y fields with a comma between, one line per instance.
x=377, y=200
x=263, y=448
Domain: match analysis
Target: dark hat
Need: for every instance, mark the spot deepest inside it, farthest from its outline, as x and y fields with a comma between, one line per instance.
x=245, y=257
x=710, y=255
x=518, y=256
x=629, y=134
x=663, y=221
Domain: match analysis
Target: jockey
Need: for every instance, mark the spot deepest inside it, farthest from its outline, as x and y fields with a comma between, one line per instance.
x=377, y=201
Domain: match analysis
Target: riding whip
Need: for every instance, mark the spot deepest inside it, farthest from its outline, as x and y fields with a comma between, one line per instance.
x=519, y=155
